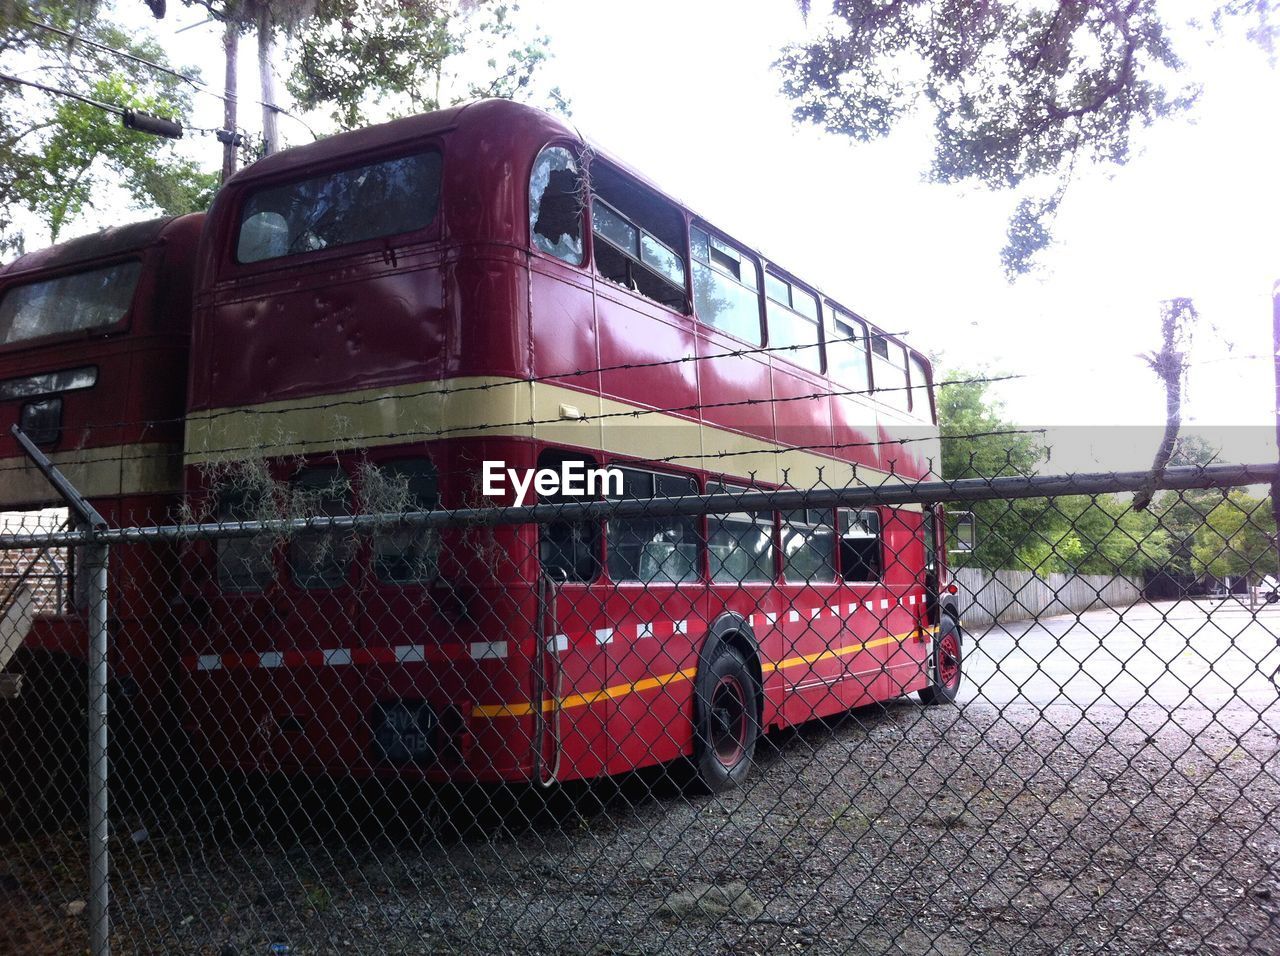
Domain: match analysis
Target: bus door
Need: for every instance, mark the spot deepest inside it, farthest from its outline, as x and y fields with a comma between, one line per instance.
x=572, y=618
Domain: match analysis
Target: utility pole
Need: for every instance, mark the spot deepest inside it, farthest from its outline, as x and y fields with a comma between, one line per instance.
x=1275, y=344
x=231, y=46
x=270, y=131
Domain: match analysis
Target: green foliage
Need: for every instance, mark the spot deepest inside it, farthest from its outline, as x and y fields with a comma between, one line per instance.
x=1183, y=513
x=1088, y=535
x=1019, y=93
x=365, y=58
x=57, y=154
x=82, y=148
x=1238, y=539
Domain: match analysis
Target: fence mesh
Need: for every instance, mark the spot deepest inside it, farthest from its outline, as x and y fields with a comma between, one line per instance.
x=654, y=723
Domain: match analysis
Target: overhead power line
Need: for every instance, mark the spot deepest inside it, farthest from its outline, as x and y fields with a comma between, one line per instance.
x=133, y=119
x=198, y=85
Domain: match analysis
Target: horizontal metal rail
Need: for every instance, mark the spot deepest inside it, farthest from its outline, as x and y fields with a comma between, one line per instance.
x=922, y=492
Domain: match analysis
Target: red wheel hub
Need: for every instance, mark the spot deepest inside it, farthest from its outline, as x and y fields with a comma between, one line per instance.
x=949, y=661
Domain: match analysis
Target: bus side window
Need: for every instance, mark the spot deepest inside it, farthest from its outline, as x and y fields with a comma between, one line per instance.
x=568, y=550
x=847, y=352
x=726, y=287
x=244, y=564
x=921, y=390
x=889, y=371
x=319, y=559
x=809, y=546
x=556, y=205
x=660, y=550
x=793, y=321
x=636, y=238
x=860, y=550
x=740, y=543
x=403, y=555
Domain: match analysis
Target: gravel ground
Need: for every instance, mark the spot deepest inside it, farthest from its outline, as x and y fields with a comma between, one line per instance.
x=1009, y=827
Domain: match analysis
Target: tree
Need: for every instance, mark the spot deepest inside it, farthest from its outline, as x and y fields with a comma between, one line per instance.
x=1075, y=534
x=1019, y=93
x=1183, y=513
x=58, y=153
x=970, y=421
x=398, y=57
x=1237, y=539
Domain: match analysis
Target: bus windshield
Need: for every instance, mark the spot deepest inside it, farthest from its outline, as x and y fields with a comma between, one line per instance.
x=93, y=299
x=352, y=205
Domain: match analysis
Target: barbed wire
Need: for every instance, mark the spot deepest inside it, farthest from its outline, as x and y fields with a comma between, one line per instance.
x=431, y=435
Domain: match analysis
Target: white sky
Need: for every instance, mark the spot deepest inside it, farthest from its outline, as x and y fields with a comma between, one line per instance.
x=685, y=93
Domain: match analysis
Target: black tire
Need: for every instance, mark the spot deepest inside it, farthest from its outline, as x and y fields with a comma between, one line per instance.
x=727, y=721
x=948, y=664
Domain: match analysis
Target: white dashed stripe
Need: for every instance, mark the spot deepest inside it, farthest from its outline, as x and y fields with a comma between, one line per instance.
x=488, y=650
x=270, y=659
x=604, y=635
x=209, y=662
x=337, y=657
x=410, y=653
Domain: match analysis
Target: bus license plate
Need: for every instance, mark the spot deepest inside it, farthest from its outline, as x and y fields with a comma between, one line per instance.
x=403, y=730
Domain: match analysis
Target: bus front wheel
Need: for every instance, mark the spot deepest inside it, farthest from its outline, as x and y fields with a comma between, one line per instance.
x=728, y=721
x=947, y=665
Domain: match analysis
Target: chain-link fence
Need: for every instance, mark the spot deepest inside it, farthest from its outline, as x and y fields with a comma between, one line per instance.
x=665, y=715
x=681, y=718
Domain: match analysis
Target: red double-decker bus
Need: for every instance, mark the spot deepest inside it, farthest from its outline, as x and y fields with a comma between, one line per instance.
x=395, y=307
x=94, y=337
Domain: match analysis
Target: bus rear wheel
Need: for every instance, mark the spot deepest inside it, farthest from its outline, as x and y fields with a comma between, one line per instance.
x=728, y=721
x=948, y=660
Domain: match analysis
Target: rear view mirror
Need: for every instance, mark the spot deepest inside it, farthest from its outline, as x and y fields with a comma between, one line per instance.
x=963, y=537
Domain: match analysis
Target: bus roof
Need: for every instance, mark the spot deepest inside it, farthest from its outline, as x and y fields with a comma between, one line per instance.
x=111, y=241
x=521, y=122
x=368, y=139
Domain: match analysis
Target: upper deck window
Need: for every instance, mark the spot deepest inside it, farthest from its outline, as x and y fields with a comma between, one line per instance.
x=636, y=235
x=726, y=286
x=847, y=352
x=793, y=320
x=890, y=367
x=366, y=202
x=555, y=205
x=94, y=299
x=921, y=387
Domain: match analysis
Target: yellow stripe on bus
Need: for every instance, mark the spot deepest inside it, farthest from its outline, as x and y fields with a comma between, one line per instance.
x=502, y=407
x=523, y=708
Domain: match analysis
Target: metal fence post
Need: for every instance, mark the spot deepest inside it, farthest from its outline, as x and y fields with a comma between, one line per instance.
x=95, y=561
x=99, y=861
